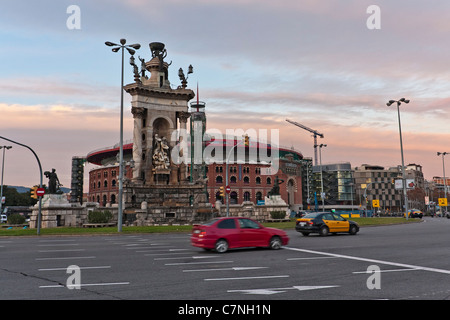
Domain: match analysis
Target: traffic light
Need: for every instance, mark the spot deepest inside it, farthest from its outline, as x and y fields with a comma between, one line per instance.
x=222, y=191
x=246, y=142
x=33, y=192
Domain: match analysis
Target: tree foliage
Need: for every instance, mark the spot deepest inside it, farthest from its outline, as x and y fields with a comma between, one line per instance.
x=14, y=198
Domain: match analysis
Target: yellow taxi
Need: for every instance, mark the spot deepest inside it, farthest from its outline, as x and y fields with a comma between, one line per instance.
x=414, y=213
x=325, y=223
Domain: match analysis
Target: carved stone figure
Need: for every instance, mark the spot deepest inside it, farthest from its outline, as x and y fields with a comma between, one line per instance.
x=160, y=153
x=53, y=181
x=276, y=187
x=135, y=69
x=143, y=68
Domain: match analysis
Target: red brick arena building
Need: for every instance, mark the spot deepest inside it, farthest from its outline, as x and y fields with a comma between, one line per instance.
x=248, y=181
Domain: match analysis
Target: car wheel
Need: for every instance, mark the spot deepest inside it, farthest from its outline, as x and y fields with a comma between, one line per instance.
x=353, y=230
x=275, y=243
x=221, y=246
x=324, y=231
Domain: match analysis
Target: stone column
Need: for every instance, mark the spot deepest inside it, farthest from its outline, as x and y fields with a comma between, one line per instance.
x=138, y=115
x=148, y=163
x=183, y=116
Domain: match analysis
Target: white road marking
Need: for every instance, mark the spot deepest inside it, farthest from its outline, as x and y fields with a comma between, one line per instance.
x=62, y=250
x=65, y=268
x=66, y=258
x=226, y=269
x=187, y=263
x=392, y=270
x=247, y=278
x=280, y=290
x=87, y=285
x=192, y=257
x=57, y=244
x=311, y=258
x=56, y=240
x=374, y=261
x=160, y=254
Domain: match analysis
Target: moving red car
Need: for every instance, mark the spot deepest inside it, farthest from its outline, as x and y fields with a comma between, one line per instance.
x=222, y=234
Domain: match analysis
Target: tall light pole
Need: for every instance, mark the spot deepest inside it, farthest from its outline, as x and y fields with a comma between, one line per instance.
x=3, y=168
x=443, y=171
x=322, y=193
x=399, y=102
x=116, y=48
x=40, y=181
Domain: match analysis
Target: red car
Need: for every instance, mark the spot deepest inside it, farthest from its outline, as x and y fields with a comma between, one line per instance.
x=222, y=234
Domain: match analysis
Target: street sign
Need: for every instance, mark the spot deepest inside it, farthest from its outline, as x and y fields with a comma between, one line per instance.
x=376, y=203
x=228, y=189
x=442, y=202
x=40, y=192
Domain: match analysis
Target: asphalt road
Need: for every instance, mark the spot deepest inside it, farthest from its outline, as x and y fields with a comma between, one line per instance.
x=413, y=263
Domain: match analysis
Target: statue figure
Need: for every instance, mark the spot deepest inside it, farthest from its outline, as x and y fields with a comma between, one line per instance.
x=276, y=187
x=143, y=67
x=53, y=182
x=135, y=70
x=160, y=153
x=158, y=50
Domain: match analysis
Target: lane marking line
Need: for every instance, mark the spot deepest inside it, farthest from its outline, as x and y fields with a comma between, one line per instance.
x=247, y=278
x=65, y=268
x=374, y=261
x=187, y=263
x=225, y=269
x=66, y=258
x=87, y=285
x=392, y=270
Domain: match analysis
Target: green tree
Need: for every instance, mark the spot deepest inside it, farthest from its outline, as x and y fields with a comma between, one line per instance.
x=14, y=198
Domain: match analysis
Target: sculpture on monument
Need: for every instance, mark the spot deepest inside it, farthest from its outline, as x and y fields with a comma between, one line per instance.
x=135, y=69
x=275, y=191
x=53, y=182
x=160, y=154
x=143, y=68
x=158, y=50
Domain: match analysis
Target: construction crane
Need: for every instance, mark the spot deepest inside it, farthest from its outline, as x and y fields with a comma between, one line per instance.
x=314, y=132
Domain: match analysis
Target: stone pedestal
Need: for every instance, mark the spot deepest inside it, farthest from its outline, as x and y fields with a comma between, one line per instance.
x=166, y=204
x=275, y=200
x=55, y=200
x=56, y=211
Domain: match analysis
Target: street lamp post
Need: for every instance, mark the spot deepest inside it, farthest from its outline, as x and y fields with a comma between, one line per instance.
x=401, y=150
x=3, y=168
x=130, y=50
x=39, y=217
x=443, y=171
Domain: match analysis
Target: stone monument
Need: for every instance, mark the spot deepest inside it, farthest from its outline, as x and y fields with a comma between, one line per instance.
x=56, y=210
x=159, y=191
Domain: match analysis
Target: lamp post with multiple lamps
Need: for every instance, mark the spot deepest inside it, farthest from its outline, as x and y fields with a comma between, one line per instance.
x=130, y=48
x=399, y=102
x=443, y=171
x=3, y=168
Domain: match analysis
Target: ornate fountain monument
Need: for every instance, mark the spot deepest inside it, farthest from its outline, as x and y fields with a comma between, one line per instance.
x=160, y=191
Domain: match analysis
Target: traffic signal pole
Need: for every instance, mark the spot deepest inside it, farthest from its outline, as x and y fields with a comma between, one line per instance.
x=40, y=183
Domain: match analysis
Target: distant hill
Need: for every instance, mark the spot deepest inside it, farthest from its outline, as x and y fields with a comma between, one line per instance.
x=20, y=189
